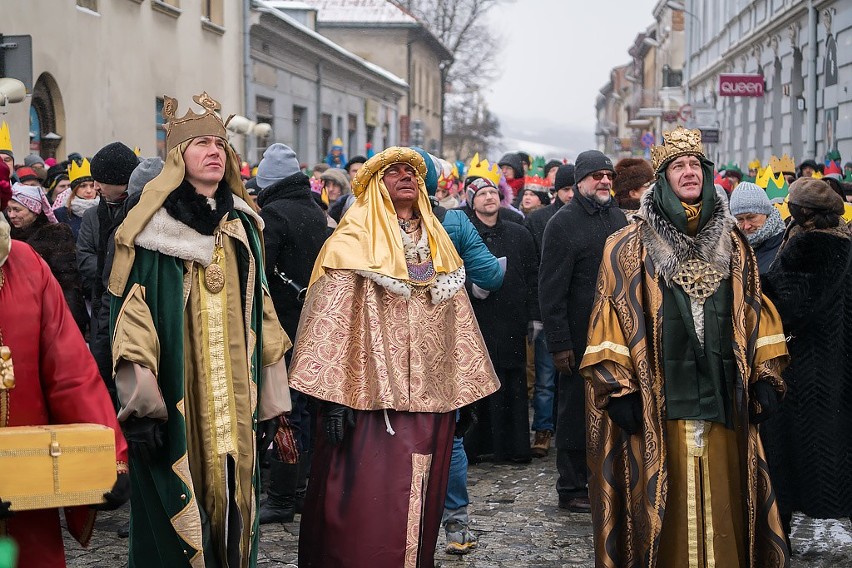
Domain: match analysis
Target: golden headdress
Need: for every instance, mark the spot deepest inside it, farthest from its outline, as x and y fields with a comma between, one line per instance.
x=368, y=236
x=5, y=139
x=192, y=125
x=784, y=164
x=676, y=143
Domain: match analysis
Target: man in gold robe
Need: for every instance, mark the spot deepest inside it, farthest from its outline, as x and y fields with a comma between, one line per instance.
x=389, y=344
x=198, y=353
x=683, y=360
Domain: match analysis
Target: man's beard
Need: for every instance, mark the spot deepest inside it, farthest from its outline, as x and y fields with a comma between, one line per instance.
x=603, y=199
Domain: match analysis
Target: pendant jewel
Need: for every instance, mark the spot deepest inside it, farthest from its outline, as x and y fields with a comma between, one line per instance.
x=7, y=370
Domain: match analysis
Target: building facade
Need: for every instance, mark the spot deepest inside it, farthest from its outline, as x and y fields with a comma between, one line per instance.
x=312, y=91
x=101, y=67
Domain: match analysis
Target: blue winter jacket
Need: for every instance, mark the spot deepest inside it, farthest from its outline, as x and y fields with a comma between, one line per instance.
x=480, y=265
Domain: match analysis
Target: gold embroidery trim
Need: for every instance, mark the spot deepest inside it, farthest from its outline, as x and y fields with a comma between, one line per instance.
x=770, y=340
x=698, y=279
x=709, y=553
x=187, y=522
x=609, y=345
x=420, y=465
x=692, y=462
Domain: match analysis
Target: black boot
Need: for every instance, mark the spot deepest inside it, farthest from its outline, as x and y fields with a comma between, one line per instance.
x=302, y=481
x=279, y=506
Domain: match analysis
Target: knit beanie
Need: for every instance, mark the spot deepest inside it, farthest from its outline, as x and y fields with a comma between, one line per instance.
x=148, y=169
x=279, y=162
x=354, y=160
x=55, y=174
x=564, y=177
x=340, y=177
x=631, y=174
x=750, y=198
x=550, y=165
x=113, y=164
x=513, y=161
x=542, y=195
x=33, y=159
x=589, y=162
x=815, y=194
x=479, y=183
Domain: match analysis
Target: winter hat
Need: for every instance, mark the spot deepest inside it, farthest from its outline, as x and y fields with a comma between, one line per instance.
x=815, y=194
x=564, y=177
x=113, y=164
x=513, y=161
x=749, y=198
x=279, y=162
x=354, y=160
x=55, y=174
x=431, y=179
x=631, y=174
x=836, y=183
x=543, y=196
x=340, y=177
x=550, y=165
x=589, y=162
x=33, y=198
x=148, y=169
x=480, y=183
x=26, y=174
x=33, y=159
x=810, y=164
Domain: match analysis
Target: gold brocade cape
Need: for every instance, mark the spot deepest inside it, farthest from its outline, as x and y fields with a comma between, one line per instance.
x=154, y=194
x=628, y=475
x=367, y=237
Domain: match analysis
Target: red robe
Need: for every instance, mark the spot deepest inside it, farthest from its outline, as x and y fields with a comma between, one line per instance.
x=57, y=382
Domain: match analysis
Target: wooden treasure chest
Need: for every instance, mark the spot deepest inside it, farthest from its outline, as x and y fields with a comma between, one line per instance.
x=60, y=465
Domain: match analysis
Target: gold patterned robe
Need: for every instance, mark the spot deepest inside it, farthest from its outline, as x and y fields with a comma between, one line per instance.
x=631, y=477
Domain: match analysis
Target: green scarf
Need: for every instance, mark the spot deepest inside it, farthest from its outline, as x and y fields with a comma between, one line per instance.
x=698, y=381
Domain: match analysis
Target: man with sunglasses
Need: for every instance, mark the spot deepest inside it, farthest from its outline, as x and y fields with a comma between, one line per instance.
x=571, y=252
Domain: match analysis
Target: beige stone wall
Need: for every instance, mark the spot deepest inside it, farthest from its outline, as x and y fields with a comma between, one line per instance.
x=111, y=66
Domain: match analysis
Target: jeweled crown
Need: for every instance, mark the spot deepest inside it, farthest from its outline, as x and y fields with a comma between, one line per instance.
x=784, y=164
x=481, y=168
x=192, y=125
x=676, y=143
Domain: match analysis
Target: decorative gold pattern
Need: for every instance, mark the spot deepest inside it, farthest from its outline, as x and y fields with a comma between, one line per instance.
x=698, y=279
x=676, y=143
x=364, y=347
x=374, y=165
x=7, y=369
x=420, y=465
x=187, y=522
x=191, y=124
x=214, y=275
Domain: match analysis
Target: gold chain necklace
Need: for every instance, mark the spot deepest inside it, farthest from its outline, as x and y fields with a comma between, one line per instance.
x=7, y=370
x=214, y=276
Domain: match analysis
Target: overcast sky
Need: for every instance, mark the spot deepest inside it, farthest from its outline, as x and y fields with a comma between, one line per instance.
x=556, y=56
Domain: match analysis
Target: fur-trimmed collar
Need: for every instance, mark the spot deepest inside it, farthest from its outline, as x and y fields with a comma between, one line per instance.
x=669, y=249
x=191, y=208
x=167, y=235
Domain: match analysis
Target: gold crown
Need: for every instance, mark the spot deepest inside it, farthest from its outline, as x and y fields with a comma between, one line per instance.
x=483, y=169
x=193, y=125
x=76, y=172
x=5, y=138
x=676, y=143
x=754, y=164
x=785, y=164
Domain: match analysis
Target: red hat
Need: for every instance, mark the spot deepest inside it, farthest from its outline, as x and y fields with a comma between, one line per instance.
x=26, y=174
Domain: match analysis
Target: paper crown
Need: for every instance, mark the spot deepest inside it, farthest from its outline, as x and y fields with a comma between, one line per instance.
x=77, y=172
x=337, y=142
x=754, y=165
x=676, y=143
x=831, y=167
x=5, y=138
x=732, y=167
x=193, y=125
x=784, y=164
x=481, y=168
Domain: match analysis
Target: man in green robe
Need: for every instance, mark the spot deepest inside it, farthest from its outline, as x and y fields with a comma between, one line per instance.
x=197, y=353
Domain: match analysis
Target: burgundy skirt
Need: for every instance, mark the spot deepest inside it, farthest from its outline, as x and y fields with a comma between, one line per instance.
x=376, y=499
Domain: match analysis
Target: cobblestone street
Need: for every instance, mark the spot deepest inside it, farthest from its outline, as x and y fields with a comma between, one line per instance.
x=515, y=516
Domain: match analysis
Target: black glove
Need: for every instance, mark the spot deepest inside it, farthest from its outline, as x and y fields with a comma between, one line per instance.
x=265, y=433
x=626, y=412
x=117, y=496
x=764, y=402
x=467, y=420
x=336, y=419
x=5, y=513
x=144, y=437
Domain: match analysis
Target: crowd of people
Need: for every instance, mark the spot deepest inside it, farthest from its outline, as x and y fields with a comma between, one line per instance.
x=364, y=329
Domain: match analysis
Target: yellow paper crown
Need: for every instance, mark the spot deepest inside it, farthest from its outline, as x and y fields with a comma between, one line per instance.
x=76, y=172
x=676, y=143
x=193, y=125
x=763, y=175
x=481, y=168
x=754, y=165
x=5, y=138
x=785, y=164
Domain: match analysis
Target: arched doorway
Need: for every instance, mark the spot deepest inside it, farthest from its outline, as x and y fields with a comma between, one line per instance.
x=47, y=118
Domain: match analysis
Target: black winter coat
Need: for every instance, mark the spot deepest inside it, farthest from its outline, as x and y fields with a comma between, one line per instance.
x=294, y=234
x=537, y=221
x=571, y=254
x=809, y=442
x=503, y=316
x=766, y=251
x=504, y=214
